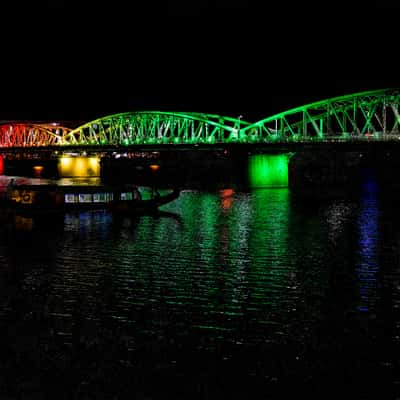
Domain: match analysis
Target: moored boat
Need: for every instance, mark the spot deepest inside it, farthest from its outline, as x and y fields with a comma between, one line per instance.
x=31, y=199
x=123, y=203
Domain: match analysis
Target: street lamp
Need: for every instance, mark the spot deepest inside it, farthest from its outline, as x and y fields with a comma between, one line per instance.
x=239, y=118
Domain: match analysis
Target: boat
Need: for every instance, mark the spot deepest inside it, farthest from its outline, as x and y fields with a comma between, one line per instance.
x=47, y=199
x=124, y=202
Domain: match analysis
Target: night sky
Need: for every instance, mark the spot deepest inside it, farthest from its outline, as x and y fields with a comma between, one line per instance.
x=81, y=60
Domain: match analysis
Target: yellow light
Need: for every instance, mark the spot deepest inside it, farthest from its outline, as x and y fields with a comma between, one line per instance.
x=79, y=167
x=94, y=166
x=65, y=166
x=66, y=161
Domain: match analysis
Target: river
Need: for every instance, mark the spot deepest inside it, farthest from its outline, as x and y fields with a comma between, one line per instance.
x=233, y=294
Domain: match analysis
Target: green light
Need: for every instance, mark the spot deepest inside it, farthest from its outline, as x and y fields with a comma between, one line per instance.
x=268, y=170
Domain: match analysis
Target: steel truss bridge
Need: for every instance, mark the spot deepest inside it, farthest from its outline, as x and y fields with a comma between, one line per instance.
x=372, y=116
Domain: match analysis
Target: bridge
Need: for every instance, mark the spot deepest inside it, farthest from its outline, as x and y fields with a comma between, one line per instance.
x=367, y=116
x=362, y=121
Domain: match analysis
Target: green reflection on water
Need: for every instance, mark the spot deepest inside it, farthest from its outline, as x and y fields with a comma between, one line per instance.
x=223, y=269
x=234, y=251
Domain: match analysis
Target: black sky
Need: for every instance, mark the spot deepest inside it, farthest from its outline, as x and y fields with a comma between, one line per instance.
x=83, y=60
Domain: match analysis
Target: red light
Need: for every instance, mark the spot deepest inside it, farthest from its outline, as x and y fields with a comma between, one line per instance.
x=227, y=198
x=226, y=192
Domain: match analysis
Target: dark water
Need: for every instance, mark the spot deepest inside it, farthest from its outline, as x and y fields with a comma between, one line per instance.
x=243, y=295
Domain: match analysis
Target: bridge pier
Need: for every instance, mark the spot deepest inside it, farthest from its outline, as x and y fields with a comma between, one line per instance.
x=32, y=167
x=52, y=167
x=82, y=166
x=191, y=169
x=310, y=170
x=268, y=170
x=325, y=173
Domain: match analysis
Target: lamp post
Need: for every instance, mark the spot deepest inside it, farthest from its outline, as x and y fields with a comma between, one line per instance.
x=239, y=118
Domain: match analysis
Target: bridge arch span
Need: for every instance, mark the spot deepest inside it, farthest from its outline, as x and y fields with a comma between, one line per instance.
x=150, y=127
x=21, y=134
x=356, y=116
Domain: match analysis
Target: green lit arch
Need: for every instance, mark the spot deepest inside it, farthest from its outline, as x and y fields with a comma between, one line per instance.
x=375, y=113
x=156, y=127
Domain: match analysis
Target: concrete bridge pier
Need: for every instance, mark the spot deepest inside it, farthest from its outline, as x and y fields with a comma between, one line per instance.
x=44, y=167
x=344, y=171
x=268, y=170
x=321, y=170
x=48, y=166
x=309, y=171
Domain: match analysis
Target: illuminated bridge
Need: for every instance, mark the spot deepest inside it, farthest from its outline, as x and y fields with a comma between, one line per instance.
x=273, y=148
x=372, y=115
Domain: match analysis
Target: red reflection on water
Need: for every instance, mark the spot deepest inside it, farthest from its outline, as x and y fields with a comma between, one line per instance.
x=227, y=198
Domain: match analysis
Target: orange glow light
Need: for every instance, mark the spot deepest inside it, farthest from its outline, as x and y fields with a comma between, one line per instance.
x=154, y=167
x=37, y=170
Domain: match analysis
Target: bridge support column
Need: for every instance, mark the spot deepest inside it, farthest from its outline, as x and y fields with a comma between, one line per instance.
x=269, y=170
x=69, y=166
x=315, y=172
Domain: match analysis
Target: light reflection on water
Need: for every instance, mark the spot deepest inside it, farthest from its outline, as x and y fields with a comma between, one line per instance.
x=267, y=288
x=368, y=264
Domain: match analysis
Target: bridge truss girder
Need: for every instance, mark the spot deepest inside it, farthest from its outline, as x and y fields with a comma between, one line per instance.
x=373, y=113
x=152, y=127
x=31, y=135
x=353, y=117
